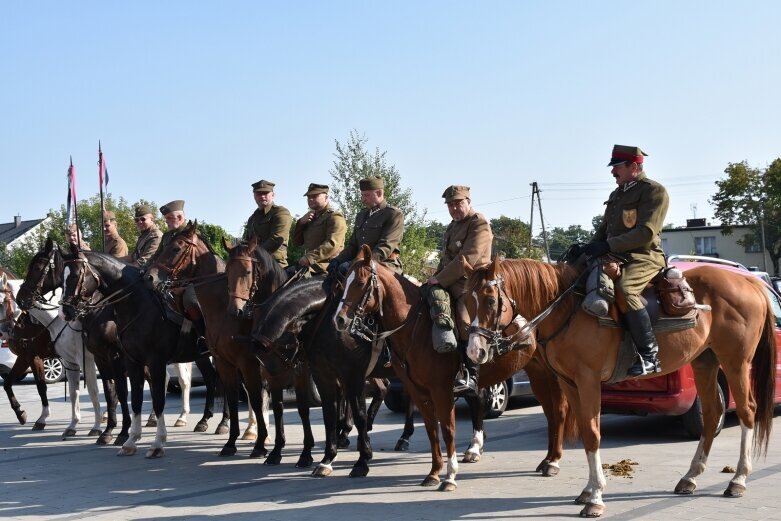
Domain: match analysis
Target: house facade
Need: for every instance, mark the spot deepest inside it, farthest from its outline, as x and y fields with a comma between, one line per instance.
x=17, y=231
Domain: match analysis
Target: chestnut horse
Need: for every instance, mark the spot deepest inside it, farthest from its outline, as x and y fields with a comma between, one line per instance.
x=737, y=333
x=427, y=375
x=188, y=259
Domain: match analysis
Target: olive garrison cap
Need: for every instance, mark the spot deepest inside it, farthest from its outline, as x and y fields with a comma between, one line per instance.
x=372, y=183
x=315, y=189
x=263, y=186
x=143, y=209
x=456, y=192
x=173, y=206
x=623, y=154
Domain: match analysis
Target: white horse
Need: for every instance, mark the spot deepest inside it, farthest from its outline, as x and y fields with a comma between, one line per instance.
x=69, y=346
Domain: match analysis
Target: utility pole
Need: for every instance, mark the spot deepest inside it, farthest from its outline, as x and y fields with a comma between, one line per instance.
x=536, y=193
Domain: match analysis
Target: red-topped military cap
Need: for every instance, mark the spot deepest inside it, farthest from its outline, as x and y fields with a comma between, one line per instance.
x=624, y=154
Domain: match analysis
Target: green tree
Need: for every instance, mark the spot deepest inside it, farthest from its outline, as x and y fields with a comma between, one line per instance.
x=353, y=162
x=213, y=234
x=559, y=239
x=511, y=239
x=752, y=196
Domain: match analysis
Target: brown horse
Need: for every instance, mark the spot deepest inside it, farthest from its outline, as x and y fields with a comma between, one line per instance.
x=428, y=375
x=737, y=333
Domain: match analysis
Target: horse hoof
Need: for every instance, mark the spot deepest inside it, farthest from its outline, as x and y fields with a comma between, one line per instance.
x=151, y=422
x=542, y=465
x=247, y=436
x=549, y=471
x=201, y=426
x=734, y=490
x=127, y=451
x=258, y=453
x=39, y=426
x=69, y=433
x=104, y=439
x=228, y=451
x=121, y=439
x=448, y=486
x=22, y=417
x=304, y=462
x=685, y=487
x=470, y=457
x=360, y=470
x=180, y=423
x=430, y=481
x=273, y=459
x=592, y=510
x=583, y=498
x=401, y=446
x=222, y=429
x=94, y=432
x=158, y=452
x=343, y=443
x=322, y=471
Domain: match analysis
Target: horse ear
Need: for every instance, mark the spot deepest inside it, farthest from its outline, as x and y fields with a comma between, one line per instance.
x=365, y=253
x=194, y=225
x=253, y=242
x=49, y=245
x=493, y=268
x=225, y=244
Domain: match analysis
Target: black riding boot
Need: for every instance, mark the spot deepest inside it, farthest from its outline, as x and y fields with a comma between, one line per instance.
x=196, y=317
x=639, y=324
x=466, y=380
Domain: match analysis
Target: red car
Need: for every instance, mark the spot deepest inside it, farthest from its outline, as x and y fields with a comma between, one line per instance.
x=674, y=394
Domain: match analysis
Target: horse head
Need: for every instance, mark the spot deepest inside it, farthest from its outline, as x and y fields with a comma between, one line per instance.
x=80, y=284
x=44, y=275
x=178, y=257
x=493, y=310
x=361, y=291
x=240, y=269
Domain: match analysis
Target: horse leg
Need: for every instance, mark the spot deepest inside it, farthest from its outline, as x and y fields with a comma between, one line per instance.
x=73, y=392
x=378, y=388
x=185, y=374
x=329, y=395
x=546, y=389
x=17, y=371
x=346, y=423
x=110, y=393
x=40, y=384
x=706, y=368
x=91, y=378
x=305, y=460
x=230, y=387
x=211, y=378
x=477, y=411
x=275, y=457
x=251, y=432
x=258, y=399
x=402, y=445
x=431, y=423
x=136, y=373
x=357, y=402
x=120, y=385
x=585, y=400
x=157, y=373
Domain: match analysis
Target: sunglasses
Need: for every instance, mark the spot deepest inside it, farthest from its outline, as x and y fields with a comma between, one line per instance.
x=140, y=219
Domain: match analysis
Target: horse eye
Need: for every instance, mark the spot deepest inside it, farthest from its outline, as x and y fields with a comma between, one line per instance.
x=491, y=301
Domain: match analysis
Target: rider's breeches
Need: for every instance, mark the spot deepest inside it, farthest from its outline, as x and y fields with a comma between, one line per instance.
x=634, y=278
x=191, y=304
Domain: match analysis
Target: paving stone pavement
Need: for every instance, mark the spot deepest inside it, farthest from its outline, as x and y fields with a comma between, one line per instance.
x=45, y=478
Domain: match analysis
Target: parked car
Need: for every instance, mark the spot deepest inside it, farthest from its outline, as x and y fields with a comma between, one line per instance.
x=53, y=371
x=498, y=395
x=674, y=394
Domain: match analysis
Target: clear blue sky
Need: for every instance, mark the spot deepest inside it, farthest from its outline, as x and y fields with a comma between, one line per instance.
x=197, y=100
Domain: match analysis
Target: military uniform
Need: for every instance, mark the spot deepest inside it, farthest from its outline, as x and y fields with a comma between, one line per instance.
x=147, y=245
x=116, y=247
x=271, y=226
x=631, y=226
x=470, y=239
x=323, y=236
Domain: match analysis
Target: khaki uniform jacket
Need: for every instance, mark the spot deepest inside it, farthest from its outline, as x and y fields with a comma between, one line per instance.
x=146, y=245
x=382, y=228
x=322, y=238
x=272, y=228
x=470, y=239
x=116, y=247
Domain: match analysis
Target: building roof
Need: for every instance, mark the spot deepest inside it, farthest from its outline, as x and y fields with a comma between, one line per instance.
x=9, y=232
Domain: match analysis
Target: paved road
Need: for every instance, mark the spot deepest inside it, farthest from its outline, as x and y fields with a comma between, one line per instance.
x=45, y=478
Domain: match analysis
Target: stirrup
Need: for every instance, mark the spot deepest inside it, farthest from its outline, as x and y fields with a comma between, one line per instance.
x=643, y=367
x=203, y=349
x=465, y=382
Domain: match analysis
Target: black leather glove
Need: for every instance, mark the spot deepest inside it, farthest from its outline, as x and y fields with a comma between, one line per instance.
x=596, y=249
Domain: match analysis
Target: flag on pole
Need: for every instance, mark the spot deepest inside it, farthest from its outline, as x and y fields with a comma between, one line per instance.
x=71, y=193
x=102, y=171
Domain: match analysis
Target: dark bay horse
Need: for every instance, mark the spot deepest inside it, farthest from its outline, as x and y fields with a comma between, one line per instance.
x=147, y=336
x=371, y=288
x=737, y=333
x=189, y=259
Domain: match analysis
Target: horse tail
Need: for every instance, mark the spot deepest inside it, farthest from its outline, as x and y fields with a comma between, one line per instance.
x=763, y=377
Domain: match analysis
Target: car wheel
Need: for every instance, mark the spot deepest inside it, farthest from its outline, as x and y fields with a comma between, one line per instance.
x=394, y=400
x=692, y=419
x=496, y=400
x=53, y=371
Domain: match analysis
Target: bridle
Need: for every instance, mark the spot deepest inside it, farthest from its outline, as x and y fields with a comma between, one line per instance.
x=186, y=261
x=256, y=275
x=47, y=271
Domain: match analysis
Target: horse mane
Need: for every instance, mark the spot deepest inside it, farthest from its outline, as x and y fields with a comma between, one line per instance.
x=274, y=276
x=539, y=282
x=296, y=300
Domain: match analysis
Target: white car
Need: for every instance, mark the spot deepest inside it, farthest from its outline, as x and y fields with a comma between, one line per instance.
x=53, y=371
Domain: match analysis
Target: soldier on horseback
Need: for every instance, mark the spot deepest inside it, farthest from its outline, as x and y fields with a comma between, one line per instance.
x=320, y=231
x=633, y=221
x=270, y=223
x=468, y=237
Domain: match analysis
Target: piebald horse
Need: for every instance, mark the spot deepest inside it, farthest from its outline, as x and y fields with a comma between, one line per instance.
x=736, y=334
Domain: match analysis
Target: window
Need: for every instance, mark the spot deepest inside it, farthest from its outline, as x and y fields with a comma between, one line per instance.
x=751, y=244
x=705, y=245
